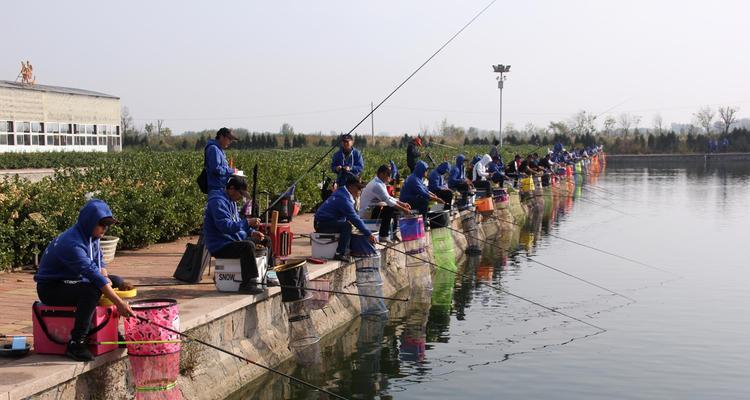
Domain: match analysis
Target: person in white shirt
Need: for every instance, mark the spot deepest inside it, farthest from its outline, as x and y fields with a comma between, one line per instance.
x=371, y=201
x=481, y=176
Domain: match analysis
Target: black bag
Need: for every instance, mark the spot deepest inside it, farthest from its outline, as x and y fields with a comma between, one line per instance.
x=202, y=179
x=193, y=262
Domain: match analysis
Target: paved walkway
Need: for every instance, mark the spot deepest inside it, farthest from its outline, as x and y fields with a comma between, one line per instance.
x=154, y=264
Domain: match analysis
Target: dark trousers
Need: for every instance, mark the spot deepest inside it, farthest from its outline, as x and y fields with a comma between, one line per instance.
x=84, y=296
x=483, y=185
x=498, y=178
x=245, y=251
x=385, y=214
x=447, y=196
x=421, y=205
x=343, y=228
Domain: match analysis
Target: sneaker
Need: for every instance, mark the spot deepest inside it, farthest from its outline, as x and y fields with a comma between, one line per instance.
x=384, y=239
x=250, y=288
x=342, y=257
x=78, y=350
x=272, y=281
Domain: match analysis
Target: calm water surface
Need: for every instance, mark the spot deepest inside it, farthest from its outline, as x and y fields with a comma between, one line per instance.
x=685, y=337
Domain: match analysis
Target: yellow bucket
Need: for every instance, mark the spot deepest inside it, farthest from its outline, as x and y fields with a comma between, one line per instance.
x=123, y=294
x=527, y=184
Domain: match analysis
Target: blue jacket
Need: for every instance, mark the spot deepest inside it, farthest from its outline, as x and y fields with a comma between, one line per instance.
x=217, y=167
x=75, y=255
x=458, y=173
x=353, y=160
x=222, y=223
x=339, y=207
x=414, y=190
x=436, y=181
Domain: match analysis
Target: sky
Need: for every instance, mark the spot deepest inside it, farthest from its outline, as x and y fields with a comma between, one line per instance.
x=318, y=65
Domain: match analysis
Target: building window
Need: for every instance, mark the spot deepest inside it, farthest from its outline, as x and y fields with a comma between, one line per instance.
x=6, y=126
x=37, y=127
x=77, y=129
x=102, y=140
x=3, y=139
x=52, y=127
x=65, y=128
x=50, y=140
x=69, y=140
x=23, y=127
x=89, y=129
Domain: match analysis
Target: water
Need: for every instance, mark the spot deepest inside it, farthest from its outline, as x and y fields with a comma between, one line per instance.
x=685, y=337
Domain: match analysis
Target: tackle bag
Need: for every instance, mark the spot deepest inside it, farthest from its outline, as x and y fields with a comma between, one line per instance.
x=193, y=263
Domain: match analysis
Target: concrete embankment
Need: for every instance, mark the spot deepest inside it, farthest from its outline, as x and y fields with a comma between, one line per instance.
x=253, y=326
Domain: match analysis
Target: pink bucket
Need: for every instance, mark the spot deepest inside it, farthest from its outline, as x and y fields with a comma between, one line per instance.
x=155, y=377
x=163, y=312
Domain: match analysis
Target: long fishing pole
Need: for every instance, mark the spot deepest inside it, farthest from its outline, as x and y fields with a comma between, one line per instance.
x=243, y=358
x=554, y=310
x=545, y=265
x=595, y=249
x=381, y=103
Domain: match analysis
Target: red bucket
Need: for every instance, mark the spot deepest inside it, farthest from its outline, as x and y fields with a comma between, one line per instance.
x=163, y=312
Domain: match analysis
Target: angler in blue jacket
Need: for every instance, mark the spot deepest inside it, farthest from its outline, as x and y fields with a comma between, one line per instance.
x=457, y=179
x=415, y=192
x=337, y=215
x=228, y=235
x=439, y=186
x=347, y=161
x=497, y=172
x=218, y=170
x=72, y=273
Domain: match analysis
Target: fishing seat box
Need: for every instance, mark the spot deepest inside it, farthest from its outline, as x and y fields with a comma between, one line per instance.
x=52, y=326
x=282, y=241
x=324, y=245
x=228, y=273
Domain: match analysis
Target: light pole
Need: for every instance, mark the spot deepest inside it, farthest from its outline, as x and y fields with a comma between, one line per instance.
x=502, y=70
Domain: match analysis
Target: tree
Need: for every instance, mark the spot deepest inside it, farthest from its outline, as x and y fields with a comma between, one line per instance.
x=658, y=124
x=149, y=128
x=626, y=121
x=728, y=116
x=583, y=123
x=126, y=121
x=703, y=117
x=609, y=125
x=287, y=129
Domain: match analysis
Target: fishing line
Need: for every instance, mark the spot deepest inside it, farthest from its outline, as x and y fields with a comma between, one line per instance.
x=380, y=104
x=243, y=358
x=545, y=265
x=595, y=249
x=340, y=292
x=462, y=275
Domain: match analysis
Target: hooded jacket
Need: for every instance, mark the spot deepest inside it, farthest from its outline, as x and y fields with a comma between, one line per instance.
x=353, y=160
x=480, y=168
x=414, y=189
x=75, y=255
x=339, y=207
x=222, y=223
x=412, y=155
x=436, y=181
x=458, y=174
x=217, y=167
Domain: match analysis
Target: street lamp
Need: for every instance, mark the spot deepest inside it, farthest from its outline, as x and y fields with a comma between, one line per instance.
x=502, y=70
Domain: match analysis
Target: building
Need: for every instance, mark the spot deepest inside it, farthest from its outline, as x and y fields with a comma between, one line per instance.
x=35, y=118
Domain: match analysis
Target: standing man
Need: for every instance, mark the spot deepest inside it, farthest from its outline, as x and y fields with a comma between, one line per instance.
x=412, y=153
x=218, y=170
x=72, y=273
x=438, y=185
x=347, y=161
x=227, y=235
x=372, y=199
x=337, y=215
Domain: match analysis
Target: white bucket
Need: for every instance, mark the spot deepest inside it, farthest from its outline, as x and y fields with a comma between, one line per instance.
x=228, y=273
x=324, y=245
x=108, y=244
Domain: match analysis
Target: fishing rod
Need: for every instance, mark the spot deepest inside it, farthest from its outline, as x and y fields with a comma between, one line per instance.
x=340, y=292
x=380, y=104
x=243, y=358
x=544, y=265
x=594, y=248
x=462, y=275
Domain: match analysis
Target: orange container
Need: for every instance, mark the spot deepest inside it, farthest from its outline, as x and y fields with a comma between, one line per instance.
x=485, y=204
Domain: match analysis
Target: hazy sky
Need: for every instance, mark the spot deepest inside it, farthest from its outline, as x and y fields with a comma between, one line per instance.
x=318, y=64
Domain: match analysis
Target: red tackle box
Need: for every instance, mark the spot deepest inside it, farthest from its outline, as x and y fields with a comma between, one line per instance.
x=282, y=241
x=52, y=326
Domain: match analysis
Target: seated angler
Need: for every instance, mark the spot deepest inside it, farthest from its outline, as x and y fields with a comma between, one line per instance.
x=416, y=193
x=228, y=235
x=480, y=174
x=497, y=172
x=337, y=215
x=438, y=185
x=72, y=273
x=376, y=203
x=457, y=178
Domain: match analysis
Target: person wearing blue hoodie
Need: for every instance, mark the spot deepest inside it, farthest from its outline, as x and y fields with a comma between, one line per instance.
x=415, y=192
x=218, y=170
x=228, y=235
x=337, y=215
x=72, y=273
x=347, y=161
x=457, y=178
x=439, y=186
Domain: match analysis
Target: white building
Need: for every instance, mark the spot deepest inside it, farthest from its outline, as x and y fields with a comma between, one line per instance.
x=36, y=118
